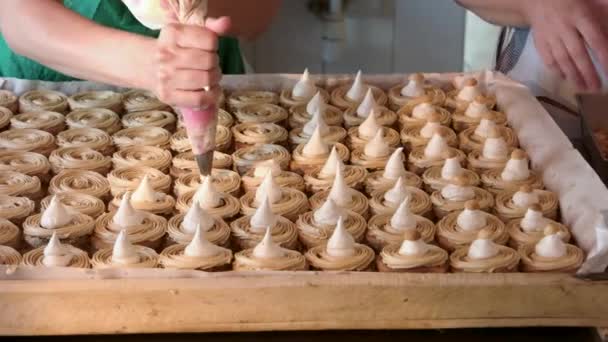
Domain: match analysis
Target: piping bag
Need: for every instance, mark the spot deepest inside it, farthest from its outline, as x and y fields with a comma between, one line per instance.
x=200, y=122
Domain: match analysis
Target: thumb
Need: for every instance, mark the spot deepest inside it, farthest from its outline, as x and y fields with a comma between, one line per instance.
x=220, y=25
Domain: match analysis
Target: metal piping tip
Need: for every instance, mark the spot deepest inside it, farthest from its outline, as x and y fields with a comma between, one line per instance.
x=204, y=162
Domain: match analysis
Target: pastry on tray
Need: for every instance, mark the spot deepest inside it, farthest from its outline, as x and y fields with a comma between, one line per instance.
x=261, y=113
x=56, y=254
x=355, y=116
x=246, y=158
x=142, y=136
x=27, y=140
x=437, y=177
x=530, y=229
x=267, y=255
x=210, y=199
x=77, y=201
x=315, y=227
x=150, y=156
x=128, y=179
x=100, y=118
x=5, y=117
x=512, y=204
x=181, y=228
x=459, y=229
x=284, y=201
x=43, y=100
x=9, y=100
x=434, y=153
x=199, y=254
x=551, y=254
x=286, y=179
x=419, y=115
x=184, y=163
x=250, y=134
x=343, y=195
x=146, y=198
x=361, y=135
x=302, y=92
x=493, y=155
x=331, y=134
x=484, y=255
x=413, y=255
x=471, y=90
x=374, y=155
x=341, y=253
x=71, y=226
x=124, y=254
x=92, y=138
x=387, y=178
x=387, y=229
x=16, y=208
x=473, y=138
x=86, y=182
x=515, y=174
x=474, y=113
x=387, y=202
x=352, y=94
x=313, y=154
x=143, y=228
x=301, y=114
x=248, y=231
x=322, y=178
x=180, y=142
x=18, y=184
x=29, y=163
x=10, y=235
x=416, y=90
x=51, y=122
x=97, y=99
x=455, y=195
x=416, y=136
x=223, y=180
x=138, y=100
x=9, y=256
x=243, y=98
x=79, y=158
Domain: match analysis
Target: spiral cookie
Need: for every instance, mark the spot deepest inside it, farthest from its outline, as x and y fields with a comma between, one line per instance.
x=261, y=113
x=228, y=207
x=246, y=158
x=15, y=209
x=142, y=136
x=5, y=117
x=77, y=257
x=75, y=232
x=223, y=180
x=224, y=118
x=29, y=163
x=79, y=158
x=251, y=134
x=242, y=98
x=299, y=116
x=9, y=100
x=149, y=156
x=149, y=232
x=18, y=184
x=43, y=100
x=80, y=202
x=32, y=140
x=451, y=236
x=10, y=235
x=9, y=256
x=334, y=134
x=223, y=140
x=100, y=118
x=45, y=121
x=92, y=138
x=156, y=118
x=128, y=178
x=138, y=100
x=218, y=233
x=97, y=99
x=87, y=182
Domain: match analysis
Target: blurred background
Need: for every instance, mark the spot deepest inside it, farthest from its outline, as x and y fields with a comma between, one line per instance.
x=377, y=36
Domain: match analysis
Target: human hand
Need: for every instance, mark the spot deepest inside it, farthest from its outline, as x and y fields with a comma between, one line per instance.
x=186, y=62
x=563, y=30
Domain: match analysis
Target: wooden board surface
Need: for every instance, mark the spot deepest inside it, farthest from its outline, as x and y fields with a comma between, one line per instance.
x=300, y=302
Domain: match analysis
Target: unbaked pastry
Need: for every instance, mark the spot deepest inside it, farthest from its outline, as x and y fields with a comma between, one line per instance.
x=261, y=113
x=313, y=154
x=286, y=179
x=387, y=202
x=301, y=114
x=5, y=116
x=355, y=116
x=142, y=136
x=251, y=134
x=343, y=195
x=156, y=118
x=484, y=256
x=180, y=142
x=51, y=122
x=9, y=256
x=18, y=184
x=418, y=115
x=246, y=158
x=137, y=100
x=43, y=100
x=352, y=94
x=459, y=99
x=182, y=227
x=437, y=177
x=216, y=203
x=56, y=254
x=146, y=198
x=331, y=134
x=416, y=136
x=512, y=204
x=434, y=153
x=82, y=203
x=150, y=156
x=79, y=158
x=198, y=254
x=413, y=255
x=361, y=135
x=394, y=169
x=493, y=155
x=92, y=138
x=473, y=138
x=529, y=229
x=515, y=174
x=29, y=163
x=184, y=163
x=9, y=100
x=27, y=139
x=16, y=209
x=302, y=92
x=374, y=155
x=454, y=195
x=474, y=113
x=97, y=99
x=322, y=178
x=100, y=118
x=124, y=254
x=243, y=98
x=413, y=92
x=128, y=178
x=10, y=235
x=269, y=256
x=551, y=254
x=86, y=182
x=223, y=180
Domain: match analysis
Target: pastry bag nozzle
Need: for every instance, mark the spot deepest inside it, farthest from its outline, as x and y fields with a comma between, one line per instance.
x=201, y=126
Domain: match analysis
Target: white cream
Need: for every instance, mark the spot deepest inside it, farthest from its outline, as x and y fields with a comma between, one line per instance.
x=126, y=216
x=367, y=105
x=56, y=254
x=471, y=219
x=268, y=189
x=482, y=249
x=329, y=213
x=358, y=89
x=533, y=221
x=332, y=164
x=403, y=219
x=144, y=193
x=369, y=127
x=469, y=93
x=196, y=217
x=341, y=243
x=315, y=145
x=395, y=168
x=305, y=88
x=207, y=195
x=429, y=129
x=436, y=147
x=415, y=247
x=377, y=147
x=340, y=192
x=551, y=246
x=485, y=127
x=317, y=103
x=525, y=199
x=201, y=247
x=453, y=192
x=123, y=252
x=263, y=217
x=423, y=110
x=397, y=194
x=476, y=110
x=516, y=170
x=413, y=88
x=451, y=169
x=317, y=121
x=495, y=149
x=56, y=215
x=262, y=168
x=267, y=248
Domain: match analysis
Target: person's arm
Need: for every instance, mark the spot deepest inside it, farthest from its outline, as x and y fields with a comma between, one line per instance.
x=176, y=66
x=562, y=31
x=249, y=18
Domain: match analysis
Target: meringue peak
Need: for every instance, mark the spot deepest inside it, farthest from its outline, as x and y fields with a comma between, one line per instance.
x=267, y=248
x=395, y=168
x=341, y=243
x=315, y=145
x=328, y=213
x=196, y=217
x=369, y=127
x=340, y=192
x=398, y=193
x=263, y=217
x=207, y=195
x=436, y=147
x=126, y=216
x=55, y=254
x=316, y=121
x=144, y=193
x=317, y=103
x=332, y=164
x=263, y=167
x=403, y=219
x=200, y=246
x=358, y=88
x=268, y=189
x=367, y=105
x=305, y=88
x=56, y=215
x=123, y=252
x=414, y=86
x=377, y=147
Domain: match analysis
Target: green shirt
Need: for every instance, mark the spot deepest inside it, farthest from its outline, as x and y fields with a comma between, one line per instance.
x=112, y=13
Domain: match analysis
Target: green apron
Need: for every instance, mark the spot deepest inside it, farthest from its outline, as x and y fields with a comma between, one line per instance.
x=112, y=13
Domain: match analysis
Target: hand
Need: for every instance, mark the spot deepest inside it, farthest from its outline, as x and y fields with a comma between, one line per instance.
x=563, y=29
x=186, y=61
